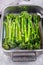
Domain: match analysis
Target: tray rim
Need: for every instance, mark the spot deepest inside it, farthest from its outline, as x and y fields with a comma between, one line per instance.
x=13, y=50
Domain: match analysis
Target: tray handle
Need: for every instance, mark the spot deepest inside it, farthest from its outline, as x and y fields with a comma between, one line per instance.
x=23, y=56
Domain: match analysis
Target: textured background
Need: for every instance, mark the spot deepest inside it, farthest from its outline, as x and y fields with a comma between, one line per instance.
x=5, y=60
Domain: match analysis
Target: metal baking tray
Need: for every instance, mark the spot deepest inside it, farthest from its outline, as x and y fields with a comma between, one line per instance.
x=17, y=54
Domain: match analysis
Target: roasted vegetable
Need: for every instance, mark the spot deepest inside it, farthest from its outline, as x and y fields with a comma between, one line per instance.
x=22, y=31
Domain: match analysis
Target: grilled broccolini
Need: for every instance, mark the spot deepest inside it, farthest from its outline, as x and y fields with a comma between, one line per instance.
x=22, y=31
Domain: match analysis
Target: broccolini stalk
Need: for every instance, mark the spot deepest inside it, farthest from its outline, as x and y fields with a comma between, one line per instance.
x=22, y=28
x=13, y=30
x=23, y=14
x=19, y=30
x=19, y=34
x=16, y=29
x=6, y=30
x=9, y=24
x=22, y=25
x=25, y=31
x=29, y=25
x=36, y=20
x=28, y=29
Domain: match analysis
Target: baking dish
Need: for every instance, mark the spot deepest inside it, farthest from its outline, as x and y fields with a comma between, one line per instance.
x=23, y=55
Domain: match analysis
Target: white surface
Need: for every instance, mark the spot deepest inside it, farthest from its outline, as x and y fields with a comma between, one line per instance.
x=5, y=60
